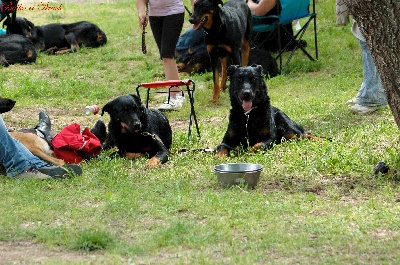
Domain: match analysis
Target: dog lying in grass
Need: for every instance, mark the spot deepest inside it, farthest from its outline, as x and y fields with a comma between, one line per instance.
x=137, y=131
x=199, y=62
x=15, y=48
x=253, y=123
x=57, y=37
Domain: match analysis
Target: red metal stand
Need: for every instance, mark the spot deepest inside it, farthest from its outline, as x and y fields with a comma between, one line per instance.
x=190, y=88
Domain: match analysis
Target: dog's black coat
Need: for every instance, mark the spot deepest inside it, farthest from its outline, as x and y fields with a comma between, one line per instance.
x=250, y=104
x=194, y=62
x=266, y=60
x=6, y=104
x=227, y=32
x=57, y=37
x=15, y=48
x=136, y=129
x=199, y=62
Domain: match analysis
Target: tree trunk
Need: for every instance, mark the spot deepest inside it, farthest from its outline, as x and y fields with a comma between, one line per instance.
x=379, y=22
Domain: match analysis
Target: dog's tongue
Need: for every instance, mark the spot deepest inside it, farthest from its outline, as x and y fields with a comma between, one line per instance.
x=196, y=26
x=247, y=104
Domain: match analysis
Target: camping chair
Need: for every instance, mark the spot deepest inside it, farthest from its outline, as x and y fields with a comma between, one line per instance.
x=190, y=87
x=288, y=11
x=8, y=9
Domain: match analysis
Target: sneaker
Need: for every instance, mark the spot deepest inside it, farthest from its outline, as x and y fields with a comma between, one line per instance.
x=32, y=173
x=353, y=101
x=67, y=170
x=174, y=103
x=359, y=109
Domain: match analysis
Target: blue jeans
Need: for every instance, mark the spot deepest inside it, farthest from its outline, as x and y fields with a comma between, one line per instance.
x=14, y=156
x=371, y=92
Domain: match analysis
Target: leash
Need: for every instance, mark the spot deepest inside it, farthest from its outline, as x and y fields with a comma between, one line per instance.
x=144, y=48
x=154, y=136
x=187, y=9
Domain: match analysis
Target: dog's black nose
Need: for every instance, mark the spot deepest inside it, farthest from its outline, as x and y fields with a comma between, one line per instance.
x=191, y=20
x=136, y=125
x=247, y=95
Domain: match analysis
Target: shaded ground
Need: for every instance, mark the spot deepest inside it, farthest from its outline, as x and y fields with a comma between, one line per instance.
x=27, y=252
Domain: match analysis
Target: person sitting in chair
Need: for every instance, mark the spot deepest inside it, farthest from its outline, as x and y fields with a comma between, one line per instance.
x=268, y=39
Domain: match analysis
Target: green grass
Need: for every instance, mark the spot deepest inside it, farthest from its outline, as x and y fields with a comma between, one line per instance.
x=317, y=201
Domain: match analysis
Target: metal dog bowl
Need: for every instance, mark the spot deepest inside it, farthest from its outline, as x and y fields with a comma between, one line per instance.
x=238, y=173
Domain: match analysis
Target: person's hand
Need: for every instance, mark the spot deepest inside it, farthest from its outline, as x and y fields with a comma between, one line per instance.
x=143, y=19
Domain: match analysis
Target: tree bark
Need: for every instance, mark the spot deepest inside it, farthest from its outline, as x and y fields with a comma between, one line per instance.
x=379, y=22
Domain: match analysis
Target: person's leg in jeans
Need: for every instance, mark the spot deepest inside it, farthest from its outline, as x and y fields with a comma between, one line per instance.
x=371, y=95
x=372, y=92
x=14, y=156
x=20, y=162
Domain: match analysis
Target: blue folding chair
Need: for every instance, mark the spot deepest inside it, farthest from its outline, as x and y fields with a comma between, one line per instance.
x=288, y=11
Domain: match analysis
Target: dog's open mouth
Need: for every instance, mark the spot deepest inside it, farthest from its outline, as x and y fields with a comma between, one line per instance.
x=247, y=105
x=202, y=22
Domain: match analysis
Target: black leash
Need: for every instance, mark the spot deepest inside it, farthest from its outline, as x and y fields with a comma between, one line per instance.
x=144, y=48
x=187, y=9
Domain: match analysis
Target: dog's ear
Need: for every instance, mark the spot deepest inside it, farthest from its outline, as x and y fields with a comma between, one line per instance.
x=231, y=69
x=29, y=23
x=106, y=108
x=136, y=98
x=260, y=68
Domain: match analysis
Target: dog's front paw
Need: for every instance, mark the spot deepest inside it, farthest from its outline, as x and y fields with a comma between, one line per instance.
x=222, y=153
x=256, y=147
x=214, y=99
x=154, y=161
x=133, y=155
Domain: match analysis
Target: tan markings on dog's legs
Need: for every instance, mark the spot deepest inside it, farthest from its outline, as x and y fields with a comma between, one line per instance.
x=290, y=135
x=255, y=147
x=245, y=51
x=133, y=155
x=224, y=75
x=154, y=161
x=222, y=153
x=217, y=89
x=313, y=137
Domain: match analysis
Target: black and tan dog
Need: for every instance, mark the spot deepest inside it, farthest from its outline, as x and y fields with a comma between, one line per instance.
x=194, y=62
x=227, y=32
x=57, y=37
x=137, y=131
x=199, y=62
x=15, y=48
x=253, y=123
